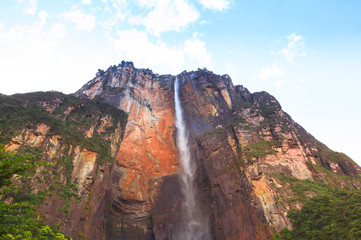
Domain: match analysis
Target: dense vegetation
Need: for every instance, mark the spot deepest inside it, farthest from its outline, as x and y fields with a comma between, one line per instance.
x=67, y=116
x=12, y=163
x=258, y=149
x=333, y=213
x=19, y=220
x=27, y=110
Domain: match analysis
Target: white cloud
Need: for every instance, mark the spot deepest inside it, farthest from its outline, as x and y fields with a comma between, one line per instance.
x=303, y=80
x=232, y=70
x=218, y=5
x=136, y=46
x=295, y=47
x=43, y=16
x=119, y=6
x=196, y=50
x=146, y=3
x=26, y=51
x=82, y=21
x=272, y=71
x=115, y=11
x=166, y=15
x=29, y=37
x=203, y=22
x=30, y=6
x=86, y=2
x=278, y=84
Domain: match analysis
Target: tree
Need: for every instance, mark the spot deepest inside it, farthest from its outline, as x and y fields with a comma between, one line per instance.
x=19, y=220
x=12, y=166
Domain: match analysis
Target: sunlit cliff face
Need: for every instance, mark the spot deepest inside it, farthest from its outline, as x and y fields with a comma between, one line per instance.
x=193, y=147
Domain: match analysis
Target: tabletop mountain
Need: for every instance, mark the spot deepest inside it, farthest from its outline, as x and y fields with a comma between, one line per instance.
x=115, y=162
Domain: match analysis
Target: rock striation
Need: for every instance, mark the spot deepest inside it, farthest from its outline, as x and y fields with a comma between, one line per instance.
x=242, y=144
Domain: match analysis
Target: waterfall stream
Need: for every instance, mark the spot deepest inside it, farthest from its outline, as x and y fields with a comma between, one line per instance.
x=193, y=226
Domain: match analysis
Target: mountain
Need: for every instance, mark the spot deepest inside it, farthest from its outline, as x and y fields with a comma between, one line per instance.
x=115, y=161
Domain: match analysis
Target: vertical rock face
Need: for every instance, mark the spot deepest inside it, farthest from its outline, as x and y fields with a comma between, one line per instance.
x=148, y=150
x=75, y=184
x=242, y=144
x=239, y=141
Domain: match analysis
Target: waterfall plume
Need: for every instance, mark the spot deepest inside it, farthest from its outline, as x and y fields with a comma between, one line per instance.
x=193, y=226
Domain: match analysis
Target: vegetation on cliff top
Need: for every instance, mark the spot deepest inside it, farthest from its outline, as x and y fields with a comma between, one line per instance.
x=21, y=111
x=68, y=117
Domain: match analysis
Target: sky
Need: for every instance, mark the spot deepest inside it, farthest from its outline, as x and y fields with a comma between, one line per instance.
x=306, y=53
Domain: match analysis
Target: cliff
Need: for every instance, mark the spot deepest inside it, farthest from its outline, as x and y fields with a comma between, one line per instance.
x=251, y=158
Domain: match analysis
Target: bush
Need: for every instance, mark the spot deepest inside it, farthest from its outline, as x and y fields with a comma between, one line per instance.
x=334, y=213
x=19, y=219
x=258, y=149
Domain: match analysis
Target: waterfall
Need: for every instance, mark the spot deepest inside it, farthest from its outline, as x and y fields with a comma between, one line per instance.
x=193, y=226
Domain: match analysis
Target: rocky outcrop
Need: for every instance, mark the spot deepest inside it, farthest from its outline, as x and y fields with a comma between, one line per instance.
x=119, y=179
x=148, y=150
x=74, y=184
x=239, y=141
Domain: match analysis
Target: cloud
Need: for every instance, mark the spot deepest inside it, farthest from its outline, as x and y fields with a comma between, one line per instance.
x=28, y=37
x=83, y=22
x=218, y=5
x=157, y=55
x=232, y=69
x=196, y=50
x=272, y=71
x=30, y=6
x=165, y=15
x=295, y=47
x=278, y=84
x=42, y=17
x=303, y=80
x=86, y=2
x=27, y=51
x=119, y=6
x=114, y=12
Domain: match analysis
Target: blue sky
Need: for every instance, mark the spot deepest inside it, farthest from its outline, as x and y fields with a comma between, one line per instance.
x=307, y=53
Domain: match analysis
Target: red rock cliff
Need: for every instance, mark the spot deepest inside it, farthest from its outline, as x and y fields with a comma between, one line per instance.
x=239, y=141
x=124, y=182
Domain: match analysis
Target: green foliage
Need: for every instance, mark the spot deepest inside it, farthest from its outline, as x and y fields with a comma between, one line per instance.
x=336, y=214
x=19, y=219
x=101, y=146
x=70, y=118
x=14, y=166
x=337, y=179
x=327, y=154
x=67, y=191
x=25, y=195
x=249, y=128
x=216, y=132
x=238, y=121
x=26, y=110
x=327, y=212
x=268, y=110
x=284, y=234
x=301, y=188
x=246, y=104
x=258, y=149
x=15, y=115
